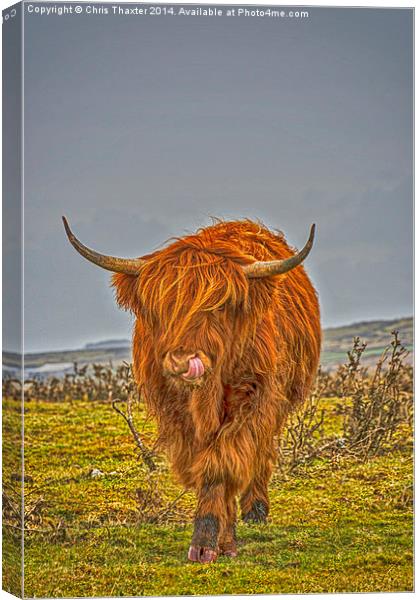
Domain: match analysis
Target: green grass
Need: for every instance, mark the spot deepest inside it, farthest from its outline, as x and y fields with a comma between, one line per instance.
x=334, y=527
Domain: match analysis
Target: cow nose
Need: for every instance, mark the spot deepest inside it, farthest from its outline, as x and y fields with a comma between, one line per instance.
x=180, y=362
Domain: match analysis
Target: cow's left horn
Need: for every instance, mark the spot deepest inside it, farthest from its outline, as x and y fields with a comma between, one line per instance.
x=278, y=267
x=129, y=266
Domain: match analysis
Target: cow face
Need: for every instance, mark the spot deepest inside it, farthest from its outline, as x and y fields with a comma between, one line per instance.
x=190, y=306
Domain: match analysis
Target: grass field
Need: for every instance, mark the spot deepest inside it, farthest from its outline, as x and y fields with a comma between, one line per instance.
x=99, y=524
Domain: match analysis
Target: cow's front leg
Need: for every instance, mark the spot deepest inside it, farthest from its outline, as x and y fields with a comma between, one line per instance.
x=210, y=520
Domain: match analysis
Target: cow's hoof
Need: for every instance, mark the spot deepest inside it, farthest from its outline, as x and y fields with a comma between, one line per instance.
x=202, y=554
x=229, y=549
x=230, y=553
x=257, y=514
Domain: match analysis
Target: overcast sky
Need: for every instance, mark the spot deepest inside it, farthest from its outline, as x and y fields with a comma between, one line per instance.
x=141, y=128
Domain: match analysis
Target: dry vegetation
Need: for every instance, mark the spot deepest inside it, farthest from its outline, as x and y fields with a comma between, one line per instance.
x=372, y=409
x=94, y=485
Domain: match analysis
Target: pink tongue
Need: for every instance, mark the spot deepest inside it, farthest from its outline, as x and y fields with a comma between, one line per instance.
x=195, y=368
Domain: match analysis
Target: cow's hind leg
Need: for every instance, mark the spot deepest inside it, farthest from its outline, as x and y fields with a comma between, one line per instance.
x=254, y=501
x=227, y=541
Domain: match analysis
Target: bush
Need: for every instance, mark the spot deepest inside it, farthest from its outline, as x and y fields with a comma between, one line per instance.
x=372, y=410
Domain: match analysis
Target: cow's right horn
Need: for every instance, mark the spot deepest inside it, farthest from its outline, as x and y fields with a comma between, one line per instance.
x=279, y=267
x=129, y=266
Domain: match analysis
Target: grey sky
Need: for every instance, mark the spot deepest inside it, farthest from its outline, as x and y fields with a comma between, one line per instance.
x=140, y=128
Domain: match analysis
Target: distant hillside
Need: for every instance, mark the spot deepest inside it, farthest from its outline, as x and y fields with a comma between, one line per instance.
x=337, y=341
x=377, y=334
x=101, y=355
x=108, y=344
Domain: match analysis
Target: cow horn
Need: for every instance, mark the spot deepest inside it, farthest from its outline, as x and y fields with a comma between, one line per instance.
x=278, y=267
x=129, y=266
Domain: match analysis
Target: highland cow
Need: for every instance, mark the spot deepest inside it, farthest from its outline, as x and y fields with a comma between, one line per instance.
x=226, y=344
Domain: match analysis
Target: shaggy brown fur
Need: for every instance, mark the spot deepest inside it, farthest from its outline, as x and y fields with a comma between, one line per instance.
x=260, y=343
